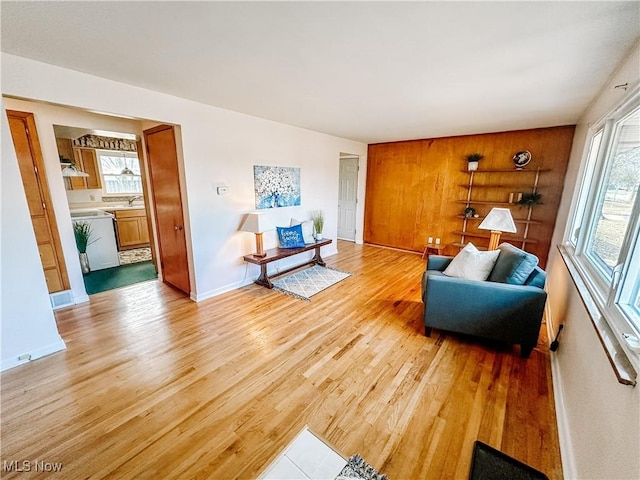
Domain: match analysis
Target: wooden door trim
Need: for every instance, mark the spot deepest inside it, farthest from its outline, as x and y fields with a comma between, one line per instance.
x=146, y=133
x=159, y=128
x=148, y=196
x=36, y=151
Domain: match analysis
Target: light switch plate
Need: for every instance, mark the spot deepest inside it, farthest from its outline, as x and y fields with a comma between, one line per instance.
x=223, y=190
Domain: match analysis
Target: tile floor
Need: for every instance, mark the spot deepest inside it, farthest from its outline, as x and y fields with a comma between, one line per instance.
x=306, y=458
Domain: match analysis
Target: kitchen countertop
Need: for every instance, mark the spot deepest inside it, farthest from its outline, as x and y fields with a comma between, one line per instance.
x=122, y=207
x=89, y=214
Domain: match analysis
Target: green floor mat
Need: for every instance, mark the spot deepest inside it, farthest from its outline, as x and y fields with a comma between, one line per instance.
x=111, y=278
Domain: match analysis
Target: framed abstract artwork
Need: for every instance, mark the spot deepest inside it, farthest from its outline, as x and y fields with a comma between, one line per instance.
x=276, y=186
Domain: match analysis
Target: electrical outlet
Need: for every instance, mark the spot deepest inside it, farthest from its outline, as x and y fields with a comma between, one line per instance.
x=26, y=356
x=92, y=198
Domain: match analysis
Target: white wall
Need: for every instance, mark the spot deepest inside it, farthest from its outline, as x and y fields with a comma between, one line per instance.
x=598, y=418
x=218, y=146
x=46, y=116
x=28, y=326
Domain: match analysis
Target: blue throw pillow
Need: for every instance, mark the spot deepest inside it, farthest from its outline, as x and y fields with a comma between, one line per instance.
x=290, y=237
x=513, y=265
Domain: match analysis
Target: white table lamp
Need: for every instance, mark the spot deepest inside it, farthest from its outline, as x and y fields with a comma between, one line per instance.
x=498, y=221
x=257, y=223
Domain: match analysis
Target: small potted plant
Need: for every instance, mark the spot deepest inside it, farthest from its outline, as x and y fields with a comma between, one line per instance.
x=530, y=199
x=469, y=212
x=472, y=161
x=83, y=234
x=318, y=224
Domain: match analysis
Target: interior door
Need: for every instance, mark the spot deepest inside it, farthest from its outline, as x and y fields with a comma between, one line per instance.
x=31, y=164
x=347, y=198
x=167, y=200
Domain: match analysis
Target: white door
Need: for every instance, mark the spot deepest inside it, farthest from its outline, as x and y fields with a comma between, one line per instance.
x=348, y=198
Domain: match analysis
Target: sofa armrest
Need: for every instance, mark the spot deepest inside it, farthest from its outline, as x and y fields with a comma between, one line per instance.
x=438, y=262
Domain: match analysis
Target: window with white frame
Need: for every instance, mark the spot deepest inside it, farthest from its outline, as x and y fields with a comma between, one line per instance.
x=604, y=234
x=120, y=172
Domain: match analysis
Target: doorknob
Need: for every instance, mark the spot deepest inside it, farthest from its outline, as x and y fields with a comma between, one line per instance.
x=177, y=227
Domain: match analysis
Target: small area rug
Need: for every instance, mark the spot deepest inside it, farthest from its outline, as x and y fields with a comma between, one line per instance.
x=357, y=468
x=303, y=284
x=135, y=255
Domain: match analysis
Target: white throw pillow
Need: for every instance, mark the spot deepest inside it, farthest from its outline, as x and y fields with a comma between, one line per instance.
x=307, y=229
x=472, y=264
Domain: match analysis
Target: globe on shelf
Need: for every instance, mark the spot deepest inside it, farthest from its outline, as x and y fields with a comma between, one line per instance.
x=521, y=159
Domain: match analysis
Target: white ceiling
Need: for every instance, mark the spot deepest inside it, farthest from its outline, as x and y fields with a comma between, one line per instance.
x=368, y=71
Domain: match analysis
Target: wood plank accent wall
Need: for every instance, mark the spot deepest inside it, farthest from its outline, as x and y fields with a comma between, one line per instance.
x=414, y=187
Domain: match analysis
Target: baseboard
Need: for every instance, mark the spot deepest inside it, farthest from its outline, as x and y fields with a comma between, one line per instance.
x=219, y=291
x=80, y=299
x=564, y=432
x=33, y=355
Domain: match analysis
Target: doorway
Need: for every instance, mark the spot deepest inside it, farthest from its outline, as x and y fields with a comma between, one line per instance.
x=104, y=183
x=348, y=197
x=31, y=164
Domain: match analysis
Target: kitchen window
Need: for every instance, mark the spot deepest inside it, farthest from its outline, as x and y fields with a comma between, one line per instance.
x=120, y=172
x=603, y=239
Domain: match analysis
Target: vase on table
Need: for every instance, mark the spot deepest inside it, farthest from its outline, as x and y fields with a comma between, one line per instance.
x=84, y=264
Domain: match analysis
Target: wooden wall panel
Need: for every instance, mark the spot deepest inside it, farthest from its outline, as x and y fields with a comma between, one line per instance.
x=414, y=187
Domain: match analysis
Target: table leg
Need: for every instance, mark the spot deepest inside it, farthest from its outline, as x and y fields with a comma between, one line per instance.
x=263, y=279
x=317, y=259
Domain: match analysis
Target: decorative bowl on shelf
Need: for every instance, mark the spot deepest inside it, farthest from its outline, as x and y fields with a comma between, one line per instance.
x=521, y=159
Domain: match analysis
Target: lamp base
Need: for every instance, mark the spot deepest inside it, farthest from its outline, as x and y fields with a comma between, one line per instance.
x=260, y=250
x=494, y=239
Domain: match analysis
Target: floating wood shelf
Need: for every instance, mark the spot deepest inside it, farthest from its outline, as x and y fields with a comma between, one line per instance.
x=513, y=170
x=500, y=185
x=461, y=245
x=514, y=187
x=517, y=220
x=504, y=237
x=485, y=202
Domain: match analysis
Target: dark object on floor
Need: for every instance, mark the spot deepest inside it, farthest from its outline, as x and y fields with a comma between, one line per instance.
x=507, y=307
x=358, y=469
x=555, y=344
x=488, y=463
x=110, y=278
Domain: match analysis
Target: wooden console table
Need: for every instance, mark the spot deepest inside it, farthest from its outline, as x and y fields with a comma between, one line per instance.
x=275, y=254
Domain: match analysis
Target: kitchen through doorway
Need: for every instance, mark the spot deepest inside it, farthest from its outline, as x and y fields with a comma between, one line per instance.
x=105, y=187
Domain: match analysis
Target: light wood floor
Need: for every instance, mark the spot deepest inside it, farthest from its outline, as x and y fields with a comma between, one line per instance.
x=155, y=386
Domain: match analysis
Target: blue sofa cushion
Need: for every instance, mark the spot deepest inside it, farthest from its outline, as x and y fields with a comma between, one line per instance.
x=514, y=266
x=290, y=237
x=537, y=278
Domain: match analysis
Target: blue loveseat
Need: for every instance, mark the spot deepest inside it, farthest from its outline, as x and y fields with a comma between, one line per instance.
x=507, y=307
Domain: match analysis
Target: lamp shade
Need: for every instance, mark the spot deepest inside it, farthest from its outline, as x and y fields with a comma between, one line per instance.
x=499, y=220
x=256, y=223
